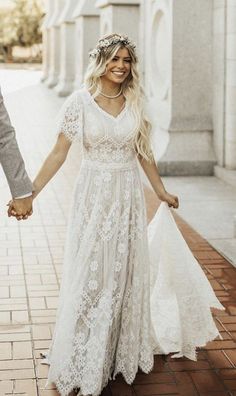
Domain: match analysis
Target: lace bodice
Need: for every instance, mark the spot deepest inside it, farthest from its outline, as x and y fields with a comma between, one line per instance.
x=105, y=138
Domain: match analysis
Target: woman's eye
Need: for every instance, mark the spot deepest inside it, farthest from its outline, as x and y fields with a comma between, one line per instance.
x=125, y=60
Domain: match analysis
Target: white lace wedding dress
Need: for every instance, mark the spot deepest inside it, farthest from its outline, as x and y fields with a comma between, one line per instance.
x=126, y=294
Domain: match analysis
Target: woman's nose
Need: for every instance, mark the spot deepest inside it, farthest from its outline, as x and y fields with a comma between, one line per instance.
x=121, y=63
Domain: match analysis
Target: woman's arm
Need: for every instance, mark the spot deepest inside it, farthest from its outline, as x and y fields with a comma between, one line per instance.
x=153, y=176
x=52, y=164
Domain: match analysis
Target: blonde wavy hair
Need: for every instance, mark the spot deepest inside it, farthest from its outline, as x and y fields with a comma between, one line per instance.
x=131, y=88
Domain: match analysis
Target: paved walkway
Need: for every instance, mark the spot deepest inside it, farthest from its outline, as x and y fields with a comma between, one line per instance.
x=30, y=268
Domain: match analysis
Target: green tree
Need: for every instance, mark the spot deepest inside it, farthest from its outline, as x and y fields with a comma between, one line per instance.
x=8, y=37
x=21, y=26
x=26, y=22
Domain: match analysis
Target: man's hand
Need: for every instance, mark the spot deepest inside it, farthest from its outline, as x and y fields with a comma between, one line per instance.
x=21, y=208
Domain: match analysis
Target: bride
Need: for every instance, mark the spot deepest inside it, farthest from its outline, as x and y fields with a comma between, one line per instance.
x=127, y=292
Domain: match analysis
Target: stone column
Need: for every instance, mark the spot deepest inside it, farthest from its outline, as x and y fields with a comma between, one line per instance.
x=119, y=16
x=87, y=34
x=67, y=68
x=178, y=80
x=68, y=49
x=230, y=99
x=224, y=109
x=54, y=27
x=219, y=72
x=46, y=39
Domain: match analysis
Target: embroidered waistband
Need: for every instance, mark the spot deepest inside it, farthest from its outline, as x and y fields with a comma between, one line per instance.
x=108, y=166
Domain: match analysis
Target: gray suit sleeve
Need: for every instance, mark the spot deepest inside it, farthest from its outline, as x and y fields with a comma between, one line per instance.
x=10, y=156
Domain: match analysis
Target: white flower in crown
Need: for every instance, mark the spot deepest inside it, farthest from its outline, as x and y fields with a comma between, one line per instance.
x=94, y=53
x=103, y=44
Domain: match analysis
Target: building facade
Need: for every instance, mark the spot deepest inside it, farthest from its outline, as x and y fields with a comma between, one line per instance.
x=187, y=52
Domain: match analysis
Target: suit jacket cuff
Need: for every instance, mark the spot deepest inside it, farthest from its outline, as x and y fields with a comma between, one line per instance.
x=21, y=188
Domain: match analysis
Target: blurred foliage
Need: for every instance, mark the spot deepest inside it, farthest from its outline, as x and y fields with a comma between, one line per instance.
x=21, y=25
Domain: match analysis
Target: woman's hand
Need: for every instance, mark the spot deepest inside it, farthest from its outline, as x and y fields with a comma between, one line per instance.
x=172, y=200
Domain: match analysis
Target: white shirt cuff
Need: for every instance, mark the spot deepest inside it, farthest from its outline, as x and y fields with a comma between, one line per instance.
x=24, y=196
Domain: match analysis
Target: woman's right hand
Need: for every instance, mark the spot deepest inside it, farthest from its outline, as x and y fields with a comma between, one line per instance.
x=170, y=199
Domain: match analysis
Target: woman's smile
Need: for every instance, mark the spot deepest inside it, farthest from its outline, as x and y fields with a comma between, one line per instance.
x=118, y=73
x=119, y=67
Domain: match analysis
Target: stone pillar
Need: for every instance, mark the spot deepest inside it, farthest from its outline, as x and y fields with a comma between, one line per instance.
x=46, y=39
x=119, y=16
x=178, y=81
x=87, y=34
x=68, y=49
x=54, y=27
x=230, y=99
x=225, y=89
x=219, y=72
x=224, y=109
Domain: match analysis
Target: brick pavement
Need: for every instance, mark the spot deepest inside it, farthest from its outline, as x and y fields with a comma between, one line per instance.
x=30, y=267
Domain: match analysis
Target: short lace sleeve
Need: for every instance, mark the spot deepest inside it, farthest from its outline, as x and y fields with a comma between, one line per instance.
x=70, y=118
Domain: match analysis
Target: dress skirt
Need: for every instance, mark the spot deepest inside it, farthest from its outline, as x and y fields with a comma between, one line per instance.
x=103, y=319
x=127, y=293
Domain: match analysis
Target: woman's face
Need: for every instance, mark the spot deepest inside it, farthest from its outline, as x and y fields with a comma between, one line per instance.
x=119, y=67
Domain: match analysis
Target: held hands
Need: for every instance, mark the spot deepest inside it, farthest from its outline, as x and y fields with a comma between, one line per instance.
x=20, y=208
x=172, y=200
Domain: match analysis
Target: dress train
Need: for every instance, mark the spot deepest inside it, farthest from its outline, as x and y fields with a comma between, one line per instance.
x=181, y=295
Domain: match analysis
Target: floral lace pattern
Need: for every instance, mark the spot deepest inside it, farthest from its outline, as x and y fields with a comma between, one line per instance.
x=103, y=317
x=107, y=318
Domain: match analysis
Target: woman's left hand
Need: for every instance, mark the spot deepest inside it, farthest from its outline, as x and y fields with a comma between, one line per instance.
x=172, y=200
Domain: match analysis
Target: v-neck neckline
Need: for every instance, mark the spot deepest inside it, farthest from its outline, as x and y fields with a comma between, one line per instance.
x=104, y=111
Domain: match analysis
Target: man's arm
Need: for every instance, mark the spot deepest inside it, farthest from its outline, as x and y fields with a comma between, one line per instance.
x=10, y=156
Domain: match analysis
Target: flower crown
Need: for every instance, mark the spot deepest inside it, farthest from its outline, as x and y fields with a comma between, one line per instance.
x=103, y=44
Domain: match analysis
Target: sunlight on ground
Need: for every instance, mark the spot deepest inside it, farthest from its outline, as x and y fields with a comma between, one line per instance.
x=13, y=80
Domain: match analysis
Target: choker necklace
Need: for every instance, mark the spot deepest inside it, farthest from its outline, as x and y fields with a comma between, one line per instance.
x=111, y=96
